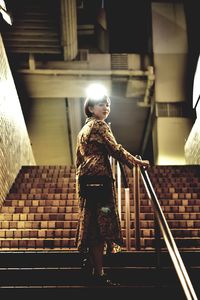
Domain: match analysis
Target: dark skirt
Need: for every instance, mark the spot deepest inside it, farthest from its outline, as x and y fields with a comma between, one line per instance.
x=99, y=222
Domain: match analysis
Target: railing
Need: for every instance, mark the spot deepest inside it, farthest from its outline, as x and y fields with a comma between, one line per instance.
x=160, y=222
x=136, y=177
x=168, y=238
x=118, y=175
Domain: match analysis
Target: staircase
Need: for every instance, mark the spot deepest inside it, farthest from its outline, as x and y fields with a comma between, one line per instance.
x=178, y=191
x=41, y=209
x=58, y=274
x=35, y=28
x=40, y=212
x=38, y=226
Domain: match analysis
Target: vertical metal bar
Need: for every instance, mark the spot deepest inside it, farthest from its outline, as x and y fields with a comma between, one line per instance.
x=157, y=241
x=113, y=168
x=157, y=235
x=119, y=191
x=127, y=214
x=110, y=159
x=136, y=187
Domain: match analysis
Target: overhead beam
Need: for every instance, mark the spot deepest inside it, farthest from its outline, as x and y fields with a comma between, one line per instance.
x=84, y=72
x=61, y=86
x=73, y=83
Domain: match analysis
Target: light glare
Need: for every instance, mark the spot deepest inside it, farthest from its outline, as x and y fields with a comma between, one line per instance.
x=96, y=91
x=4, y=12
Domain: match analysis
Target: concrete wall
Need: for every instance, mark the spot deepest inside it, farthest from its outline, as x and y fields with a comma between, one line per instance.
x=48, y=132
x=170, y=58
x=15, y=148
x=170, y=51
x=171, y=134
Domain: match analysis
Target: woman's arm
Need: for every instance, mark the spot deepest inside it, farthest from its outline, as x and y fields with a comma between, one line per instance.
x=114, y=149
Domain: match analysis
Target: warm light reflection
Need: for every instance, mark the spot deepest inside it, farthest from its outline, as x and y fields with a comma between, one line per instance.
x=196, y=88
x=171, y=160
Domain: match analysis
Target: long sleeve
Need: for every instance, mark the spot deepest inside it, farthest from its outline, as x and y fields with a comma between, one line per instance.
x=114, y=149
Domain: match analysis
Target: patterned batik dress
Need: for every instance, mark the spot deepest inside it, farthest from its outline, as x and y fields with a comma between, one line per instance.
x=97, y=223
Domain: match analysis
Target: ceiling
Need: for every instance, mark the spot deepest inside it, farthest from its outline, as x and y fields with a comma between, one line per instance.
x=36, y=30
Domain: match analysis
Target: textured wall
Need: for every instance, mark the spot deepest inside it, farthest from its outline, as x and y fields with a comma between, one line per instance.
x=192, y=146
x=15, y=148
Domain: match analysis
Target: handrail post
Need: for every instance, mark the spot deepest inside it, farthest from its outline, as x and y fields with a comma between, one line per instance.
x=127, y=214
x=157, y=235
x=113, y=168
x=119, y=191
x=127, y=207
x=136, y=189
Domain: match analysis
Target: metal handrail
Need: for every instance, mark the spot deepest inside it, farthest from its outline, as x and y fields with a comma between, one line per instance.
x=119, y=191
x=128, y=219
x=120, y=175
x=168, y=238
x=136, y=191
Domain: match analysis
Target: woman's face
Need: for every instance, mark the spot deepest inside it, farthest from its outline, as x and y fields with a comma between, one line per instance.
x=101, y=110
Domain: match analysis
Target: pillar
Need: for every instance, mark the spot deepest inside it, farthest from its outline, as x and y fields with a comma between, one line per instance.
x=171, y=124
x=69, y=29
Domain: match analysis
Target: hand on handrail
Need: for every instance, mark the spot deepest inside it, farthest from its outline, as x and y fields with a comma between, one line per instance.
x=142, y=163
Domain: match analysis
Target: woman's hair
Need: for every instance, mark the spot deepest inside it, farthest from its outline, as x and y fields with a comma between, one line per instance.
x=90, y=102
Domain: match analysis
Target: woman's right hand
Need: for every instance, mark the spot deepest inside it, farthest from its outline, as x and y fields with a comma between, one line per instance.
x=145, y=163
x=142, y=163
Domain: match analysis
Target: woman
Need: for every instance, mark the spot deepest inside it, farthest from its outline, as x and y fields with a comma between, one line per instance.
x=99, y=224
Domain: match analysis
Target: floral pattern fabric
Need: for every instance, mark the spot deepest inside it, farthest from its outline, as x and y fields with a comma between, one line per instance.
x=95, y=143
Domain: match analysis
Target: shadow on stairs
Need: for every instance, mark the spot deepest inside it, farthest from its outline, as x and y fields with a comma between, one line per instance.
x=58, y=274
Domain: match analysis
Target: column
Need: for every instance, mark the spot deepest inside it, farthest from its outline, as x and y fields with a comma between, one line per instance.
x=171, y=125
x=69, y=29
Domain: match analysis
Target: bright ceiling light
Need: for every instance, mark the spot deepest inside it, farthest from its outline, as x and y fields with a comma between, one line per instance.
x=96, y=91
